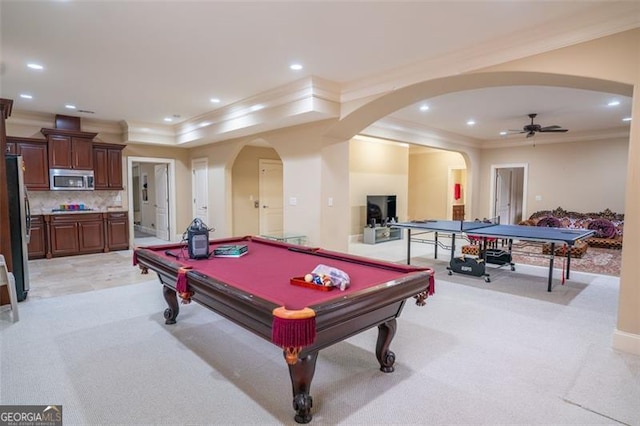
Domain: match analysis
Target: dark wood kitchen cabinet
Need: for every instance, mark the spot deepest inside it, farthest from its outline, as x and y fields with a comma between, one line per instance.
x=37, y=247
x=71, y=234
x=63, y=236
x=36, y=161
x=90, y=234
x=107, y=165
x=117, y=231
x=70, y=149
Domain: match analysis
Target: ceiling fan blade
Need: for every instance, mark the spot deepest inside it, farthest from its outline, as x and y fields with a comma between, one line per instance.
x=551, y=127
x=547, y=130
x=530, y=134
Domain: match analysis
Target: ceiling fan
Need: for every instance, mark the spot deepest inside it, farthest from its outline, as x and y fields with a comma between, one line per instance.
x=532, y=129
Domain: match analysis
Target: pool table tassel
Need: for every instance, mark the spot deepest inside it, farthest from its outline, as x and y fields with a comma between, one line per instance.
x=182, y=287
x=292, y=330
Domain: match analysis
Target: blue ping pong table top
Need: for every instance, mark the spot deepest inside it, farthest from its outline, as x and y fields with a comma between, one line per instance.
x=521, y=232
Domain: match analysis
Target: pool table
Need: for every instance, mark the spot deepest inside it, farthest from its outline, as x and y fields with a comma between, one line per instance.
x=255, y=291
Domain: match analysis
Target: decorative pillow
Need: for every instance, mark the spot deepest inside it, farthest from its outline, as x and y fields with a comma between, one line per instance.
x=550, y=222
x=603, y=227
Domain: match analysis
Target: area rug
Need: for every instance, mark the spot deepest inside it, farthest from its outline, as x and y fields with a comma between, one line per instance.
x=596, y=260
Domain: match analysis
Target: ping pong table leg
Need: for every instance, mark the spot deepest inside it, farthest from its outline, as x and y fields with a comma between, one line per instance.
x=408, y=246
x=453, y=246
x=435, y=247
x=553, y=251
x=568, y=262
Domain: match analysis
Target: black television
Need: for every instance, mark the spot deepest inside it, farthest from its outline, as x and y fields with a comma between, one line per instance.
x=381, y=209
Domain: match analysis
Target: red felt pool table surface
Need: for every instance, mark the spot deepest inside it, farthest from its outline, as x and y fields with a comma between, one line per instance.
x=267, y=268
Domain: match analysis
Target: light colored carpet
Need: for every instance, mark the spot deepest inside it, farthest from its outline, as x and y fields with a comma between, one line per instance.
x=475, y=354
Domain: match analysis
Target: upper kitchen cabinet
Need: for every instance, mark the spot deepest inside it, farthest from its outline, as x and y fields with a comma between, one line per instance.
x=70, y=149
x=36, y=163
x=107, y=165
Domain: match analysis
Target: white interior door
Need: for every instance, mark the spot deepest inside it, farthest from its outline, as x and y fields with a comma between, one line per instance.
x=271, y=197
x=200, y=189
x=162, y=201
x=503, y=195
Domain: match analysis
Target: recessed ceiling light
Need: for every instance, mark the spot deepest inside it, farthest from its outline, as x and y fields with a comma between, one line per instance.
x=205, y=124
x=35, y=66
x=256, y=107
x=69, y=106
x=614, y=103
x=503, y=133
x=626, y=119
x=25, y=96
x=168, y=119
x=215, y=100
x=471, y=123
x=295, y=67
x=424, y=107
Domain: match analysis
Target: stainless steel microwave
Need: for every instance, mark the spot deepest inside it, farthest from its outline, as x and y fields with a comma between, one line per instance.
x=71, y=180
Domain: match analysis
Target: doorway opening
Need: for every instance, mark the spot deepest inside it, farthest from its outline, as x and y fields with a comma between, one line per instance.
x=152, y=199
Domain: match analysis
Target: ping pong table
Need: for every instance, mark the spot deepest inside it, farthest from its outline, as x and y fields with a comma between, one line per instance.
x=484, y=232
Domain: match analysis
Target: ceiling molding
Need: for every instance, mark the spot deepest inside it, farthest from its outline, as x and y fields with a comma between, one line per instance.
x=407, y=132
x=304, y=101
x=517, y=140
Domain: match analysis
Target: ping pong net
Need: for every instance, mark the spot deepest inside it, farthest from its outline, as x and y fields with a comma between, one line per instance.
x=468, y=227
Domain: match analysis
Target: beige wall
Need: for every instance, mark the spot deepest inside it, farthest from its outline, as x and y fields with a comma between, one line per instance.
x=430, y=193
x=585, y=176
x=377, y=168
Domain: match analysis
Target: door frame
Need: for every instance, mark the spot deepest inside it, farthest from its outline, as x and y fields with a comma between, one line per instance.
x=171, y=177
x=525, y=186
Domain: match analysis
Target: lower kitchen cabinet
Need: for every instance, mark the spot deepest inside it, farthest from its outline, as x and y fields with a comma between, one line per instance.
x=37, y=247
x=72, y=234
x=90, y=236
x=117, y=230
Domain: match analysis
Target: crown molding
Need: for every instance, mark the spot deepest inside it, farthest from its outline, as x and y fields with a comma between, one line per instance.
x=407, y=132
x=401, y=131
x=303, y=101
x=519, y=140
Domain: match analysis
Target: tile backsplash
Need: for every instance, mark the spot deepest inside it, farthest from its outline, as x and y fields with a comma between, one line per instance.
x=45, y=201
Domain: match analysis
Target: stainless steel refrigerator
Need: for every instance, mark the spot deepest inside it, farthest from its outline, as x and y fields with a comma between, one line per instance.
x=19, y=222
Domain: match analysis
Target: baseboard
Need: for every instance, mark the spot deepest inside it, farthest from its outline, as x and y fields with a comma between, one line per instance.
x=357, y=238
x=626, y=342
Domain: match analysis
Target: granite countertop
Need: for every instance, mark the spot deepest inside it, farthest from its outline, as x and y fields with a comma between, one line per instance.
x=45, y=212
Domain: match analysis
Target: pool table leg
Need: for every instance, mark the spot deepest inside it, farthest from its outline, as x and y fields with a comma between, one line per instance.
x=172, y=311
x=386, y=358
x=301, y=375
